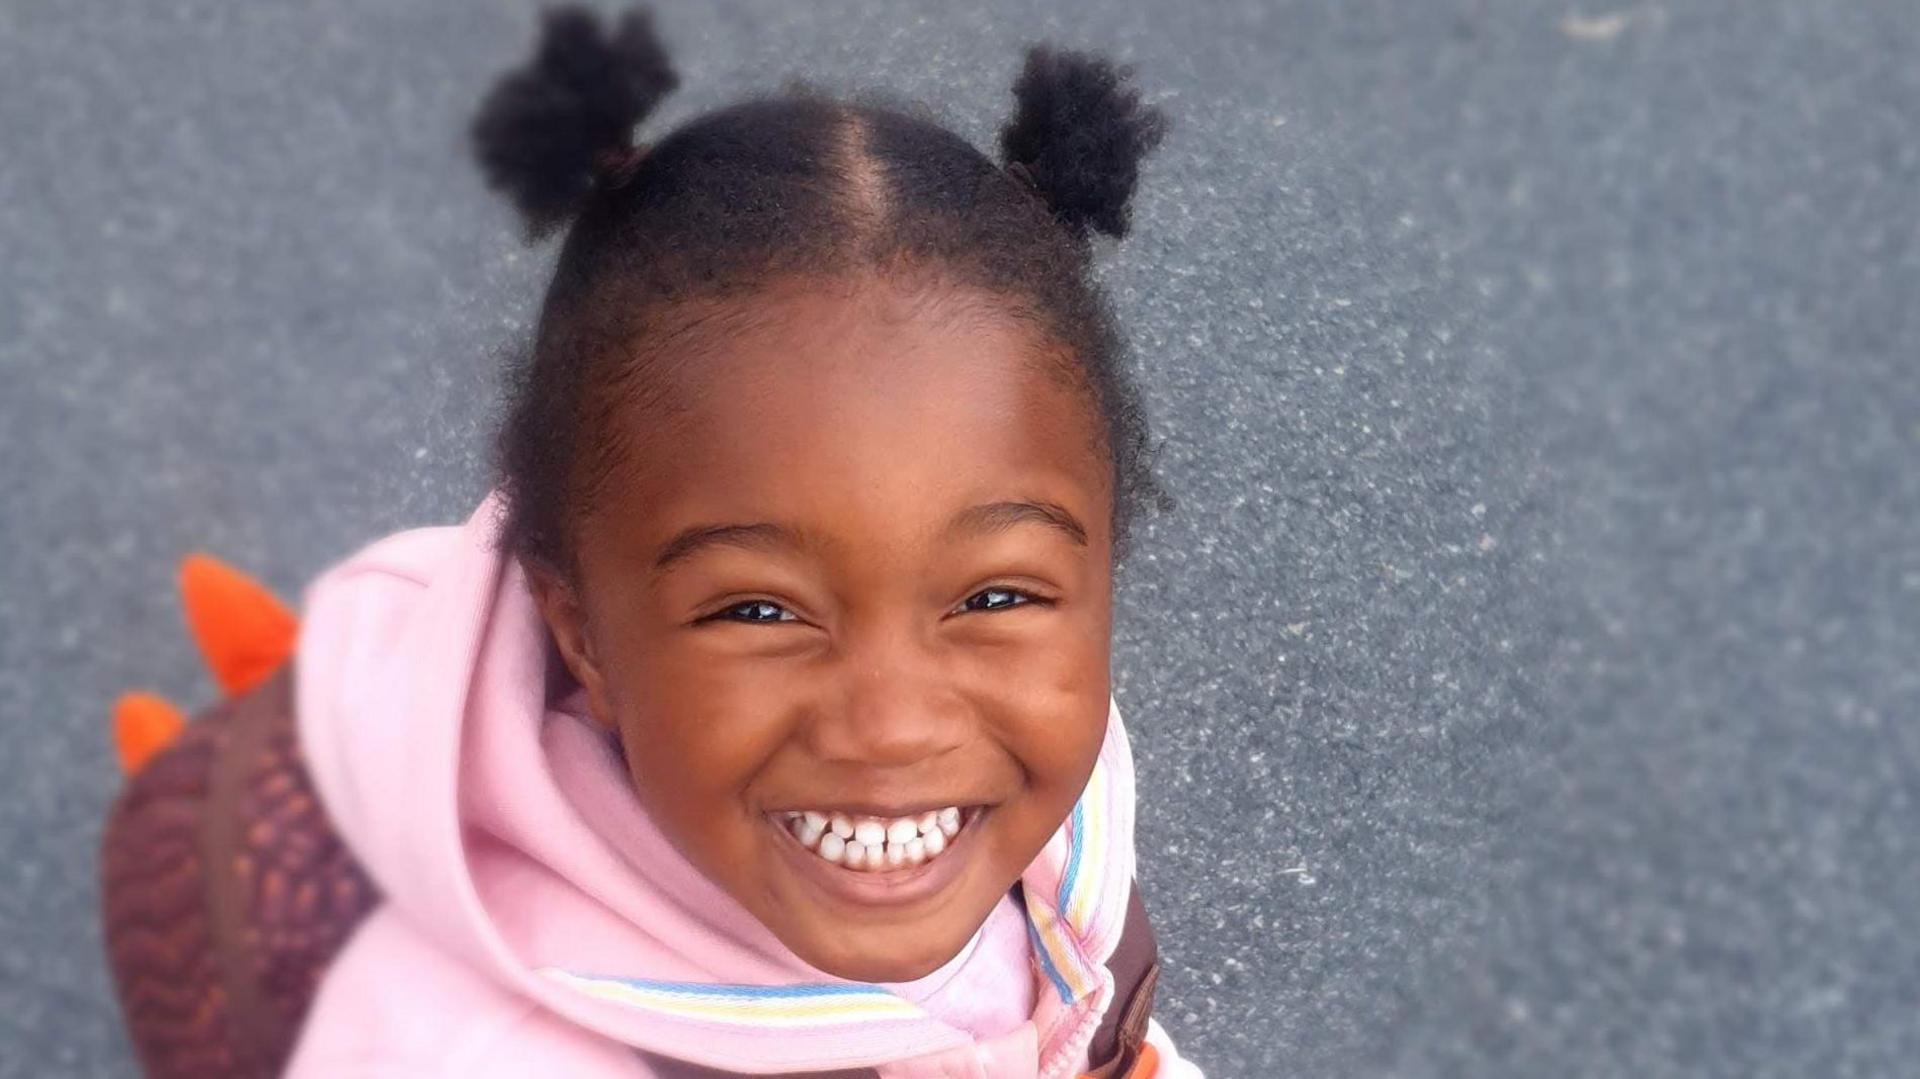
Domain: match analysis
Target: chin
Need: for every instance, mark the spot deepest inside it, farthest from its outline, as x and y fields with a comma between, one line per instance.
x=896, y=956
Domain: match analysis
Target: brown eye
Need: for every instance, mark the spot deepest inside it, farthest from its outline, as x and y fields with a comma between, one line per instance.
x=997, y=599
x=754, y=610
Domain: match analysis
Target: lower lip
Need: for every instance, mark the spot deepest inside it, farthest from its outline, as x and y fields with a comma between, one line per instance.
x=895, y=887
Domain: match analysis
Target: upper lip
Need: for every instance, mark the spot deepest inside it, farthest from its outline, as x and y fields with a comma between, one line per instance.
x=857, y=808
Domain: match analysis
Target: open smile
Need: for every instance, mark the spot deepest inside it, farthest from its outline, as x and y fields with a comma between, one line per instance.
x=876, y=861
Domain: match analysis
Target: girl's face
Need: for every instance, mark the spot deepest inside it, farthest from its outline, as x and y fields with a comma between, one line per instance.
x=856, y=563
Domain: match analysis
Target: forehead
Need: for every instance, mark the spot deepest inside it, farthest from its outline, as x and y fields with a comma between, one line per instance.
x=855, y=407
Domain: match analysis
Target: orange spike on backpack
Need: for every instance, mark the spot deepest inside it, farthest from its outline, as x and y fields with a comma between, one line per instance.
x=143, y=724
x=243, y=631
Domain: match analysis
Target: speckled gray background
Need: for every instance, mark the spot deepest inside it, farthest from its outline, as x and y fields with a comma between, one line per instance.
x=1527, y=684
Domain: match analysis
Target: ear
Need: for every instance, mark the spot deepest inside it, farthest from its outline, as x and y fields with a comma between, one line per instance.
x=567, y=621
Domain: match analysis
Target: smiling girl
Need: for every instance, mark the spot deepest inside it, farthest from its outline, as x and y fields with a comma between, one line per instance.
x=760, y=721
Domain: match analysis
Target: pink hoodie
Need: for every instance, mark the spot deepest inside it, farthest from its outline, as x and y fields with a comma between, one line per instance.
x=516, y=940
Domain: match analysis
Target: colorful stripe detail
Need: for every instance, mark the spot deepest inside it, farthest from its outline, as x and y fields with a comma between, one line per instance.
x=1058, y=953
x=1076, y=842
x=1086, y=853
x=786, y=1007
x=1045, y=960
x=1055, y=931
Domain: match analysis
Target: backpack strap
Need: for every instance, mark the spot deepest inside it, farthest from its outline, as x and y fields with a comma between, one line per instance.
x=1119, y=1046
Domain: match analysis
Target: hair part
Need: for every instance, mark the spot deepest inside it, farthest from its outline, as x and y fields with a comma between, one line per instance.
x=665, y=240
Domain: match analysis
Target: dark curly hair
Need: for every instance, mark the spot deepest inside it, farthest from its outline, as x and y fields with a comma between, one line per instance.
x=662, y=236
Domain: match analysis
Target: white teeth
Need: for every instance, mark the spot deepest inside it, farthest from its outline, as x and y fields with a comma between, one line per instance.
x=832, y=846
x=870, y=844
x=810, y=828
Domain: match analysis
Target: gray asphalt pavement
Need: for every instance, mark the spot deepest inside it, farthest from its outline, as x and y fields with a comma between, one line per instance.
x=1527, y=682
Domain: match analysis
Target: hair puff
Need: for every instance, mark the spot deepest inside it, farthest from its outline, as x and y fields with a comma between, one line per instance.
x=545, y=128
x=1078, y=133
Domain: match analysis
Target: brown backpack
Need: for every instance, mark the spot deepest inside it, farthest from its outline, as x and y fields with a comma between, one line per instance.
x=224, y=892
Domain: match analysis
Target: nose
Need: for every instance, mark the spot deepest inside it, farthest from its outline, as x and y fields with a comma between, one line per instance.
x=894, y=705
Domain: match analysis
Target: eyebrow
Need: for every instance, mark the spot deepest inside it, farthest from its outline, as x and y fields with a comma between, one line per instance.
x=986, y=518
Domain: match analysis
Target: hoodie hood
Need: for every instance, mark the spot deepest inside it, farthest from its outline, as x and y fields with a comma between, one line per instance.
x=456, y=763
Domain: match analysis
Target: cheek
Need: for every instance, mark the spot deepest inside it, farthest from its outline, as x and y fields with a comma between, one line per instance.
x=1047, y=704
x=1050, y=718
x=696, y=732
